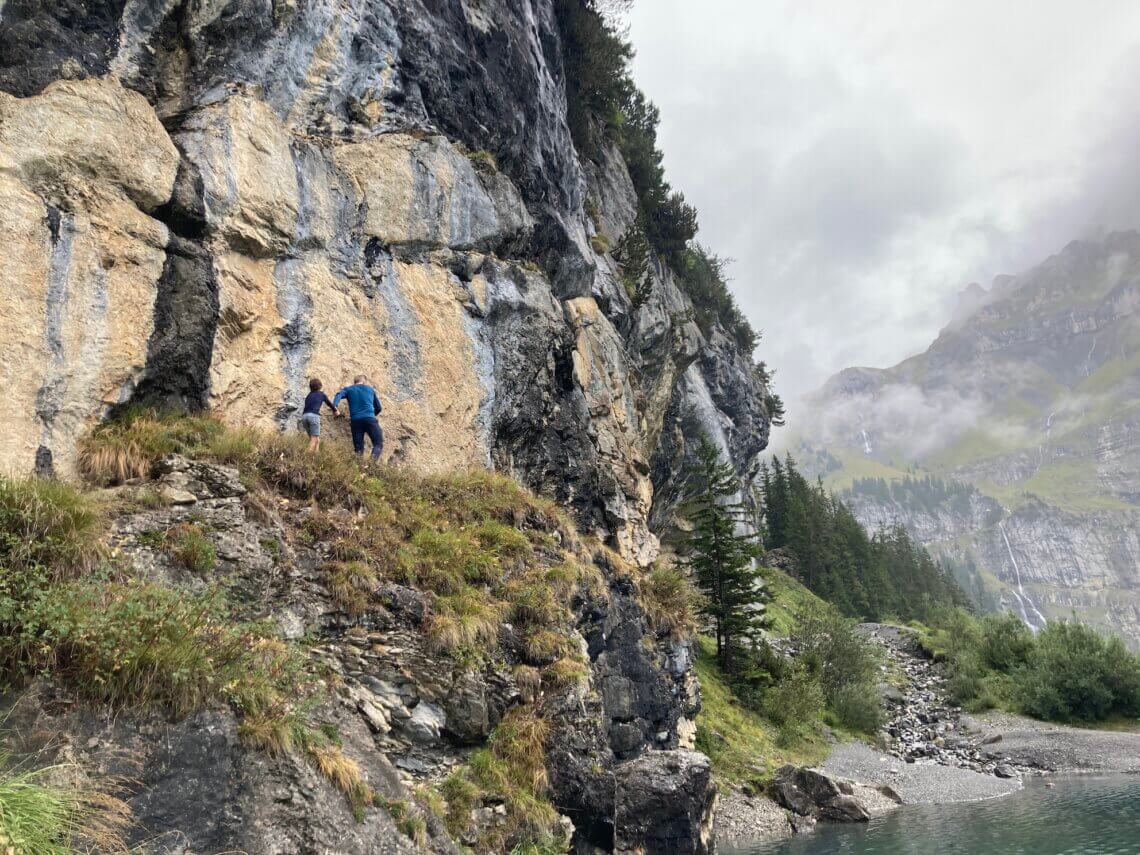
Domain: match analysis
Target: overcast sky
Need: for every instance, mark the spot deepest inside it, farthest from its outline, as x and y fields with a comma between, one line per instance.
x=863, y=161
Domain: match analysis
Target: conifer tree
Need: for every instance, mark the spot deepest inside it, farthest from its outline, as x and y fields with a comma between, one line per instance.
x=722, y=553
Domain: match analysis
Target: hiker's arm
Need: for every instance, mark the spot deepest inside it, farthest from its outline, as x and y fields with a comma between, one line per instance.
x=376, y=402
x=332, y=406
x=337, y=399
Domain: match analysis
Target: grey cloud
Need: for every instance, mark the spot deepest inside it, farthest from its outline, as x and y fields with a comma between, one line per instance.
x=854, y=216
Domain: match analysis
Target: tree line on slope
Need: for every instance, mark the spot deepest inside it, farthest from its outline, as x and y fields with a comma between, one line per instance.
x=605, y=106
x=871, y=577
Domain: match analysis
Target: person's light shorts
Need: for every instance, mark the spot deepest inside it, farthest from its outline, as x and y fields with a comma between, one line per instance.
x=311, y=422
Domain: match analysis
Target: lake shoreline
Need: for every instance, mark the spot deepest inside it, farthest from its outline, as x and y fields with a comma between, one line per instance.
x=982, y=757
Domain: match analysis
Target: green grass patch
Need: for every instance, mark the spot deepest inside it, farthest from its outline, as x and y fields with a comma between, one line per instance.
x=789, y=599
x=41, y=815
x=742, y=744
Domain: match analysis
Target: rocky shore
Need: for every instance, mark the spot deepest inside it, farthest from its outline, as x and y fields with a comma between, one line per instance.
x=930, y=752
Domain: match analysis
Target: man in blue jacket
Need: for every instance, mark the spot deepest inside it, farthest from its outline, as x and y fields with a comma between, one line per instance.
x=363, y=408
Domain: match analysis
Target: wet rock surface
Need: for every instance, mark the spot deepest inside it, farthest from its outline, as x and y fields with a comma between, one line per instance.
x=807, y=792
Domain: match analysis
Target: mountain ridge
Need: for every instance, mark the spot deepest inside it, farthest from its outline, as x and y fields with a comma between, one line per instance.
x=1031, y=399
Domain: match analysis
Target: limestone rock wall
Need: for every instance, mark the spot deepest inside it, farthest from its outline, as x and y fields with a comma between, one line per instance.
x=212, y=203
x=208, y=203
x=83, y=165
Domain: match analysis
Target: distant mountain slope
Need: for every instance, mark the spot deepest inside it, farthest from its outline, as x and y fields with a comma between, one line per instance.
x=1031, y=396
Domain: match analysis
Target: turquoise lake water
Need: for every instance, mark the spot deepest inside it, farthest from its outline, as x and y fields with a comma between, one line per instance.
x=1079, y=816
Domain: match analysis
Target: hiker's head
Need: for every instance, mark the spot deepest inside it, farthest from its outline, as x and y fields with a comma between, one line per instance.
x=360, y=378
x=315, y=385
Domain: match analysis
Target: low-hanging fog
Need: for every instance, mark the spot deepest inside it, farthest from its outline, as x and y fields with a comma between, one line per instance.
x=862, y=163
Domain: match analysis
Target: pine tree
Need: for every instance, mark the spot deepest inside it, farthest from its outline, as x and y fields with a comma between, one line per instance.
x=722, y=553
x=869, y=577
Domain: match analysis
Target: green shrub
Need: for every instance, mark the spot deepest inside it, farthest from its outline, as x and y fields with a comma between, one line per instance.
x=483, y=159
x=1006, y=642
x=845, y=665
x=1070, y=675
x=829, y=647
x=795, y=705
x=1066, y=672
x=857, y=707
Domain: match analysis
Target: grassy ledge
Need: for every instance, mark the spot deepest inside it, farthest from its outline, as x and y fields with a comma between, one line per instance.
x=482, y=549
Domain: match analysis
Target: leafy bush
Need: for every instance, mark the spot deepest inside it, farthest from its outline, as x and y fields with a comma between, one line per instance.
x=1074, y=673
x=845, y=665
x=1006, y=642
x=795, y=704
x=857, y=707
x=702, y=275
x=1066, y=672
x=632, y=253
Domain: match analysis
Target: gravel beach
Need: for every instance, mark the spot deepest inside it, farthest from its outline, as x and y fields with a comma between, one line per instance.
x=913, y=783
x=1055, y=747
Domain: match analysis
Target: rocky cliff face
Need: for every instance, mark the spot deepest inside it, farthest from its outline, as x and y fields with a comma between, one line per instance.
x=208, y=203
x=1030, y=397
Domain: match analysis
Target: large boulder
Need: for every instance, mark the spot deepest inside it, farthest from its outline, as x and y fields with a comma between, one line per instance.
x=806, y=792
x=664, y=804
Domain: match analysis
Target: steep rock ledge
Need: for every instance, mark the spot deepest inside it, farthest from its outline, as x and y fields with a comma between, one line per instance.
x=328, y=216
x=211, y=203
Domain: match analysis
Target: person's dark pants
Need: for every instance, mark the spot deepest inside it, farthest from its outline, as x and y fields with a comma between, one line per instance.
x=371, y=427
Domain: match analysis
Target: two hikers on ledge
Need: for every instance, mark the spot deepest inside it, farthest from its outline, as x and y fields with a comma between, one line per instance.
x=363, y=408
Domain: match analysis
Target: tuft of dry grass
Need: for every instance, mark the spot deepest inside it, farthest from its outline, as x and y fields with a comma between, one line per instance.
x=48, y=525
x=567, y=671
x=464, y=620
x=128, y=446
x=670, y=602
x=276, y=732
x=187, y=544
x=342, y=772
x=351, y=584
x=529, y=680
x=510, y=771
x=543, y=646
